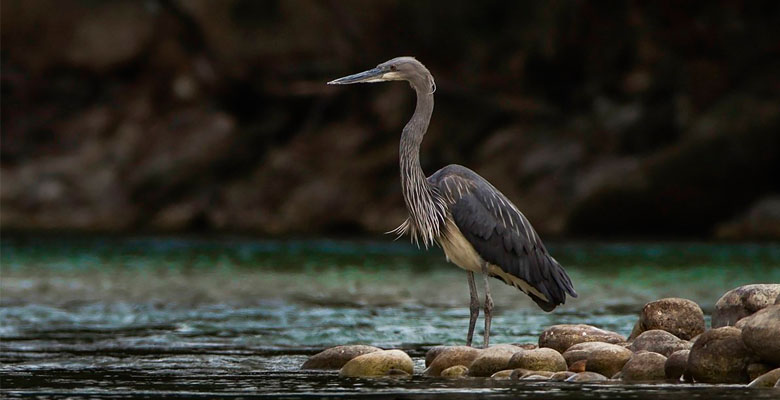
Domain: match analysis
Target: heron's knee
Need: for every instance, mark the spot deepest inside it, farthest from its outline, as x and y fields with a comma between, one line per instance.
x=488, y=304
x=474, y=305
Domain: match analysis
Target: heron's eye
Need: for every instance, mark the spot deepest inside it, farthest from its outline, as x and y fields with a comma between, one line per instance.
x=393, y=68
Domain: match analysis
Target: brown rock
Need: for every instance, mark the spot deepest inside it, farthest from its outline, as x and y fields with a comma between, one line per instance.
x=336, y=357
x=719, y=356
x=541, y=359
x=493, y=359
x=561, y=337
x=644, y=366
x=767, y=380
x=658, y=341
x=761, y=334
x=452, y=356
x=587, y=376
x=378, y=363
x=579, y=352
x=680, y=317
x=578, y=366
x=562, y=376
x=503, y=374
x=740, y=302
x=676, y=364
x=607, y=359
x=755, y=370
x=434, y=351
x=456, y=371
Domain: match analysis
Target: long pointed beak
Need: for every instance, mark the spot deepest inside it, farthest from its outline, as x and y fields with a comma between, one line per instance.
x=372, y=75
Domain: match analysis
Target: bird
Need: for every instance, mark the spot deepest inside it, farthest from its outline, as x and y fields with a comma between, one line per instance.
x=479, y=229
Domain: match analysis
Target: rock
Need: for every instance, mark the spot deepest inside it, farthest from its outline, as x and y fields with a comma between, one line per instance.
x=719, y=356
x=644, y=366
x=522, y=373
x=503, y=374
x=740, y=302
x=434, y=352
x=450, y=357
x=493, y=359
x=336, y=357
x=676, y=364
x=397, y=372
x=578, y=366
x=457, y=371
x=607, y=359
x=579, y=352
x=561, y=337
x=535, y=377
x=378, y=363
x=680, y=317
x=658, y=341
x=562, y=376
x=761, y=334
x=767, y=380
x=526, y=346
x=755, y=370
x=541, y=359
x=584, y=377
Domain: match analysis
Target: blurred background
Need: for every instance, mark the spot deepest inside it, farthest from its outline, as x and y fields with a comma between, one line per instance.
x=598, y=119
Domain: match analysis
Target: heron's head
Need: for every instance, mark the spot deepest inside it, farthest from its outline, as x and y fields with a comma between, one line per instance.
x=397, y=69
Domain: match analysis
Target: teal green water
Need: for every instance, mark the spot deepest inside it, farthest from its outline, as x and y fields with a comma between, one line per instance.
x=169, y=315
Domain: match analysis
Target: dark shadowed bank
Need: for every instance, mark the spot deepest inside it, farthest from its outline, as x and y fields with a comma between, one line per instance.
x=595, y=118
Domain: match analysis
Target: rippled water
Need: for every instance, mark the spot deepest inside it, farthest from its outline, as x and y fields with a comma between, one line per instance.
x=193, y=317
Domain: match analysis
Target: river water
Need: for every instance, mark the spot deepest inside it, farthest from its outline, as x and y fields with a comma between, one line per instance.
x=190, y=317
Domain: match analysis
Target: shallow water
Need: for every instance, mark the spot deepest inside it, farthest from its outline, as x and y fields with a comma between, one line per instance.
x=232, y=317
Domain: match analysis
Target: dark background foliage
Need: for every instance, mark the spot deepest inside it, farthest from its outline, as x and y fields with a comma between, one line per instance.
x=598, y=118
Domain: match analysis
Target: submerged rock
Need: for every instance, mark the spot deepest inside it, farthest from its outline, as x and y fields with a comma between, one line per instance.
x=456, y=371
x=541, y=359
x=761, y=334
x=767, y=380
x=561, y=337
x=680, y=317
x=644, y=366
x=607, y=359
x=587, y=376
x=719, y=356
x=659, y=341
x=676, y=365
x=336, y=357
x=450, y=357
x=562, y=376
x=740, y=302
x=378, y=363
x=493, y=359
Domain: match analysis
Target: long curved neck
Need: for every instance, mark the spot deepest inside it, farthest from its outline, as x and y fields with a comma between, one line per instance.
x=426, y=212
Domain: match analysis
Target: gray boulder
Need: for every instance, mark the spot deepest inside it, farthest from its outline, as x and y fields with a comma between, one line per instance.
x=336, y=357
x=740, y=302
x=719, y=356
x=676, y=365
x=658, y=341
x=761, y=334
x=680, y=317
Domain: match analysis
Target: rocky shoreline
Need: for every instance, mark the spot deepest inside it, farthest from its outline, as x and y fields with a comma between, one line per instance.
x=669, y=344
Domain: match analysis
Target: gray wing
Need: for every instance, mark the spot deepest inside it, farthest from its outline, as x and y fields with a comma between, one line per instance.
x=501, y=234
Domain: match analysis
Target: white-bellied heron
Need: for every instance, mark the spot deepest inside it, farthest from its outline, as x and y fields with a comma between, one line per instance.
x=478, y=228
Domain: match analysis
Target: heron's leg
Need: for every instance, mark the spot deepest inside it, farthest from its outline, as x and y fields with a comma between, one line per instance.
x=473, y=307
x=488, y=305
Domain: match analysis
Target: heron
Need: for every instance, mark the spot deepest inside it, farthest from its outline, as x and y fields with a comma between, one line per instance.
x=478, y=227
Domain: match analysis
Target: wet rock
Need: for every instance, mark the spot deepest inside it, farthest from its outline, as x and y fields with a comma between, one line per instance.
x=526, y=346
x=561, y=337
x=535, y=377
x=740, y=302
x=578, y=366
x=680, y=317
x=579, y=352
x=518, y=373
x=541, y=359
x=767, y=380
x=658, y=341
x=607, y=359
x=452, y=356
x=644, y=366
x=676, y=364
x=719, y=356
x=397, y=372
x=456, y=371
x=336, y=357
x=755, y=370
x=378, y=363
x=587, y=376
x=562, y=376
x=503, y=374
x=493, y=359
x=761, y=334
x=434, y=352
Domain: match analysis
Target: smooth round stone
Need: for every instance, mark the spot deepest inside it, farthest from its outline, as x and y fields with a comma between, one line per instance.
x=578, y=366
x=579, y=352
x=452, y=356
x=587, y=376
x=541, y=359
x=503, y=374
x=755, y=370
x=767, y=380
x=644, y=366
x=719, y=356
x=456, y=371
x=676, y=365
x=561, y=337
x=740, y=302
x=493, y=359
x=761, y=334
x=682, y=318
x=659, y=341
x=561, y=376
x=535, y=377
x=378, y=363
x=607, y=359
x=434, y=352
x=336, y=357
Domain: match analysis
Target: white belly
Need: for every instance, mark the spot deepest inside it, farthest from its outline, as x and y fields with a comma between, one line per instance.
x=461, y=253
